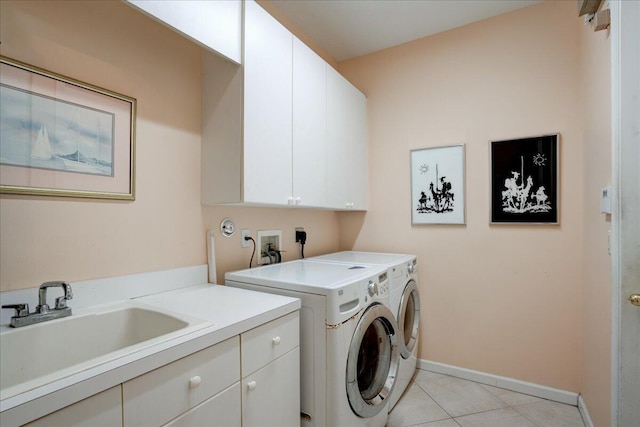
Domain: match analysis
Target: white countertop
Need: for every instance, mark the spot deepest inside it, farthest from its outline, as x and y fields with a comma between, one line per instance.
x=226, y=312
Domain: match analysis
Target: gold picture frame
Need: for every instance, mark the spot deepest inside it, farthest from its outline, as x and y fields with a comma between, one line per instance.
x=63, y=137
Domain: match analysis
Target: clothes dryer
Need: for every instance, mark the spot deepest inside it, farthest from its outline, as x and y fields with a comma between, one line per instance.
x=405, y=304
x=349, y=353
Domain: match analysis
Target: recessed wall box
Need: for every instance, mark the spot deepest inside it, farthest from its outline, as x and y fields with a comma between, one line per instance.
x=269, y=246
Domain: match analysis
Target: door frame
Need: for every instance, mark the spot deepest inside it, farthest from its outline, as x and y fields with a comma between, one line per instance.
x=625, y=273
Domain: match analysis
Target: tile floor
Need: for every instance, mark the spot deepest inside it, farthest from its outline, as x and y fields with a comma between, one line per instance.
x=436, y=400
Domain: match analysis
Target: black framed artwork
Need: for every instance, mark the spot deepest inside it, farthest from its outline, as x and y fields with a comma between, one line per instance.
x=524, y=180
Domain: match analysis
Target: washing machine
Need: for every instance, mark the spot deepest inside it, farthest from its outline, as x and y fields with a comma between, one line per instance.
x=404, y=301
x=349, y=354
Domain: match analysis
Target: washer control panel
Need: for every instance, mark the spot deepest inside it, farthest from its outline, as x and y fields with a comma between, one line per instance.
x=376, y=287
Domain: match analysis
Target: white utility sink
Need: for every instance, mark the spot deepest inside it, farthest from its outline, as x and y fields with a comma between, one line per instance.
x=35, y=355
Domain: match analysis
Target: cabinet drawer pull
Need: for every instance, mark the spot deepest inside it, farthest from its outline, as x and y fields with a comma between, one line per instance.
x=194, y=382
x=276, y=340
x=251, y=385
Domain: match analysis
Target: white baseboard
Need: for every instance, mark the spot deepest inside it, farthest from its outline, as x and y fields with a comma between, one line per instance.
x=544, y=392
x=582, y=406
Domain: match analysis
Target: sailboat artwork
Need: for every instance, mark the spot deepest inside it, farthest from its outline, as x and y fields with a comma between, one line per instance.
x=524, y=176
x=437, y=181
x=41, y=132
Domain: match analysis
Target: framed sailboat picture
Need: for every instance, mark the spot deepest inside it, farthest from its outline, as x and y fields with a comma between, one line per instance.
x=63, y=137
x=438, y=185
x=524, y=180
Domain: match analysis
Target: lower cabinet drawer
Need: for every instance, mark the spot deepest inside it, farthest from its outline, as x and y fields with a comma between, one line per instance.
x=267, y=342
x=221, y=410
x=159, y=396
x=102, y=409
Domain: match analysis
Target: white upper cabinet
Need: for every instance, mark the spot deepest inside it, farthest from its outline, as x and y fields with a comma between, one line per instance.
x=347, y=160
x=309, y=126
x=283, y=129
x=268, y=56
x=216, y=25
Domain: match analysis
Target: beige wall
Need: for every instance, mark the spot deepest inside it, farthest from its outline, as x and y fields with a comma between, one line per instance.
x=113, y=46
x=595, y=71
x=110, y=45
x=505, y=300
x=499, y=299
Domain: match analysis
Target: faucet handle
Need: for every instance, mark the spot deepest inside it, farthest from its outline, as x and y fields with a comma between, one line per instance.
x=22, y=310
x=61, y=302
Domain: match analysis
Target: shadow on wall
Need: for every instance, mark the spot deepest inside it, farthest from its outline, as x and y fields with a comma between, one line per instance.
x=350, y=227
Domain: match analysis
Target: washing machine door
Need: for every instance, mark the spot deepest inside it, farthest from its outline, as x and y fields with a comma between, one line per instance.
x=372, y=364
x=408, y=319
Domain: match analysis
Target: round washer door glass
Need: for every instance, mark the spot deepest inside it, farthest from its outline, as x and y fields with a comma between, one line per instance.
x=409, y=319
x=373, y=360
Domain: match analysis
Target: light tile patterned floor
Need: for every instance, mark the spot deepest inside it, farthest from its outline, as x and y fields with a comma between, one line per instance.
x=436, y=400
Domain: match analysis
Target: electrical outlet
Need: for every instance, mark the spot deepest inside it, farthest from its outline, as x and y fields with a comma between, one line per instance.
x=269, y=242
x=298, y=229
x=245, y=233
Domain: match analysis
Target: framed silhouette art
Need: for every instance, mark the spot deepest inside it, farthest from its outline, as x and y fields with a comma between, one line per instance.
x=524, y=180
x=438, y=185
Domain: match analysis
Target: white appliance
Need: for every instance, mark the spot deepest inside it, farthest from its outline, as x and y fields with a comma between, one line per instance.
x=349, y=353
x=405, y=304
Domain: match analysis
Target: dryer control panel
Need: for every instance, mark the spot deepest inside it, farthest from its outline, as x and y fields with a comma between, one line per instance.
x=377, y=286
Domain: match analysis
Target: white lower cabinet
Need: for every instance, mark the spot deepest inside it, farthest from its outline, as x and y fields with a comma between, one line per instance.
x=271, y=373
x=102, y=409
x=252, y=379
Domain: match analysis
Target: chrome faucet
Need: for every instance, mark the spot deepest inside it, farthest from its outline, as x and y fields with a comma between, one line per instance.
x=43, y=311
x=61, y=302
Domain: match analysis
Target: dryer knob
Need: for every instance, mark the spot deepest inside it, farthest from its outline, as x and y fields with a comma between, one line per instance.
x=372, y=288
x=410, y=268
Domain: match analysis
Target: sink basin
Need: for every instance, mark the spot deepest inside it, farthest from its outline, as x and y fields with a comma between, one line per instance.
x=35, y=355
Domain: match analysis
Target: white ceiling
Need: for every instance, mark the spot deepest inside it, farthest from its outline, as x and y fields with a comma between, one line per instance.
x=350, y=28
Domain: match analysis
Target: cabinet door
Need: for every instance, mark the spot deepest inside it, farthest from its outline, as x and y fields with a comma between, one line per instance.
x=356, y=135
x=214, y=24
x=102, y=409
x=309, y=126
x=347, y=161
x=267, y=108
x=271, y=395
x=337, y=143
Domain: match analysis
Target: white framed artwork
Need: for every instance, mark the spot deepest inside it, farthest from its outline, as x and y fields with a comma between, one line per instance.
x=438, y=185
